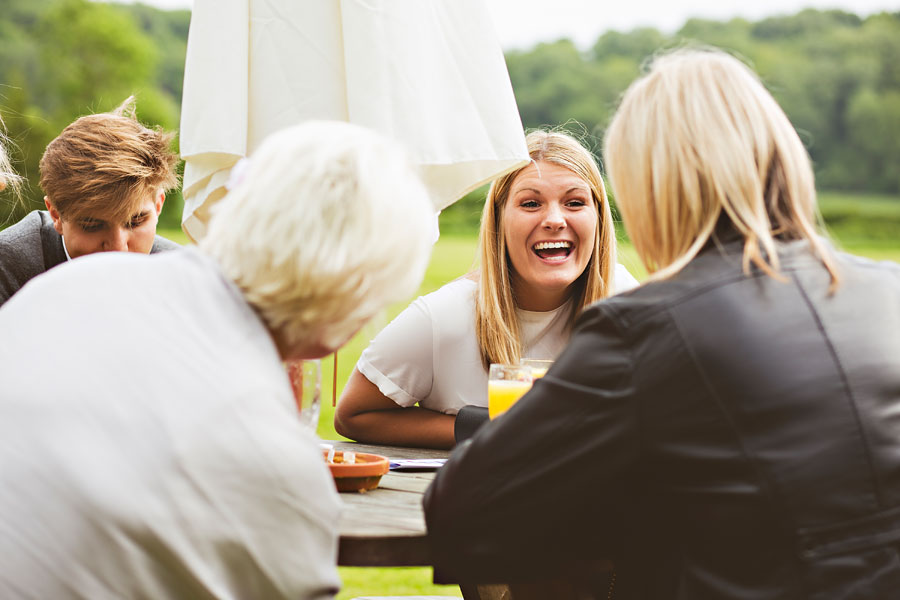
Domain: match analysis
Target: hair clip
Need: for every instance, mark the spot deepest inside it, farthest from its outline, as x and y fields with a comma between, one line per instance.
x=238, y=173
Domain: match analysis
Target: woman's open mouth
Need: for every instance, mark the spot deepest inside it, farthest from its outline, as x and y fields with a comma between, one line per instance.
x=553, y=251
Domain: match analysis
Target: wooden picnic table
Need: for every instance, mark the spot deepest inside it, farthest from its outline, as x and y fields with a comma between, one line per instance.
x=385, y=527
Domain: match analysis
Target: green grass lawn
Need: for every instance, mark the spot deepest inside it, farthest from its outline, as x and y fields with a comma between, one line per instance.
x=453, y=256
x=864, y=224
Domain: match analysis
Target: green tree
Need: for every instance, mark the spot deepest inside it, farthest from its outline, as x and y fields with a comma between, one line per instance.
x=873, y=120
x=548, y=80
x=92, y=57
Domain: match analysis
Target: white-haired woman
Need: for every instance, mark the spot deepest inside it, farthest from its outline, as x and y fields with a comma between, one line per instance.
x=146, y=422
x=548, y=249
x=728, y=429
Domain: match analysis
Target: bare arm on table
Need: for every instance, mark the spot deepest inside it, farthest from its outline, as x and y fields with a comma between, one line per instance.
x=366, y=415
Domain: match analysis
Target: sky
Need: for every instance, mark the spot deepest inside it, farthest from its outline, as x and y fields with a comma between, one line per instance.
x=522, y=23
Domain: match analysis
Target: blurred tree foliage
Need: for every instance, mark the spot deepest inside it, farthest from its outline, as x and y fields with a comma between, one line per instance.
x=836, y=75
x=60, y=59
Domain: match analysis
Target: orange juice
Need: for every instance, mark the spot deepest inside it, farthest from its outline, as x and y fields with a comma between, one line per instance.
x=503, y=393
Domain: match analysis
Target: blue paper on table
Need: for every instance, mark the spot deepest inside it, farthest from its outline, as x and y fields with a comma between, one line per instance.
x=417, y=464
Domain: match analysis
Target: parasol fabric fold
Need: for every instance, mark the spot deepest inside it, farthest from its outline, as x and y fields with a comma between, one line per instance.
x=428, y=73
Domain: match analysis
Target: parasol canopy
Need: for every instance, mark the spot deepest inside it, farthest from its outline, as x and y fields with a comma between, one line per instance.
x=428, y=73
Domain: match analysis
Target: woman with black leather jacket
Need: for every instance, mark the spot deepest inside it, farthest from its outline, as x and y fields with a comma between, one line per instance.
x=731, y=428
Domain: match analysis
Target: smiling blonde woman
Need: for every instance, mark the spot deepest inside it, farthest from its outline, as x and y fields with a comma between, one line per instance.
x=548, y=249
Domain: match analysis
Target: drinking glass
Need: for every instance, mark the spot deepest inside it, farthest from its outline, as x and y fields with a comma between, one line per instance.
x=539, y=366
x=506, y=384
x=306, y=381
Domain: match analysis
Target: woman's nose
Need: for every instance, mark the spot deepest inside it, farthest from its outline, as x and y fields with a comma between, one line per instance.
x=554, y=218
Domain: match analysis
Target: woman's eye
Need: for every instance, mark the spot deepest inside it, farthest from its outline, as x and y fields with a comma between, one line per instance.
x=529, y=204
x=576, y=203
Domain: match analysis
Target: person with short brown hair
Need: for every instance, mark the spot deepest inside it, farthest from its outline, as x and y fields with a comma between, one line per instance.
x=105, y=178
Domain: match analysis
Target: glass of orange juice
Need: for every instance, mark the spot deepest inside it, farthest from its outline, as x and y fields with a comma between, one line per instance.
x=539, y=366
x=506, y=384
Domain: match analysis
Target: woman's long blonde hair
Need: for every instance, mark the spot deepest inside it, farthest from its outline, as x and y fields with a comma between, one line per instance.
x=698, y=142
x=496, y=323
x=10, y=178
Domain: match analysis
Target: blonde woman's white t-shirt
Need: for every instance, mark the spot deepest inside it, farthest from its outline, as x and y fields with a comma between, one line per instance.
x=429, y=356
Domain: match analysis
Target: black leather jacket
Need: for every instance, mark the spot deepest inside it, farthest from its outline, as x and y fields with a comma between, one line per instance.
x=717, y=435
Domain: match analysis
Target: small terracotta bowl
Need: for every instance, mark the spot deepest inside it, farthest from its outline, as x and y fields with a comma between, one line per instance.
x=360, y=476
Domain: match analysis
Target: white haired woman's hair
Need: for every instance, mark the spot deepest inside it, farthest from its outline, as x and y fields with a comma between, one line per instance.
x=329, y=223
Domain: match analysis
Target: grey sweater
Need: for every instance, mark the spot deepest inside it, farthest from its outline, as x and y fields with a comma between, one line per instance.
x=32, y=246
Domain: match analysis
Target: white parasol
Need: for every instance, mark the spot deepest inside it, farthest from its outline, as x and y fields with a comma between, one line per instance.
x=429, y=73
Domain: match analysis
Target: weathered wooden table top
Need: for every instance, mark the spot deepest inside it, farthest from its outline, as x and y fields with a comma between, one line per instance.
x=385, y=527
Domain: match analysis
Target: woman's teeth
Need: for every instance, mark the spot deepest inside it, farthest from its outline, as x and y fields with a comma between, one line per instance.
x=551, y=245
x=553, y=251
